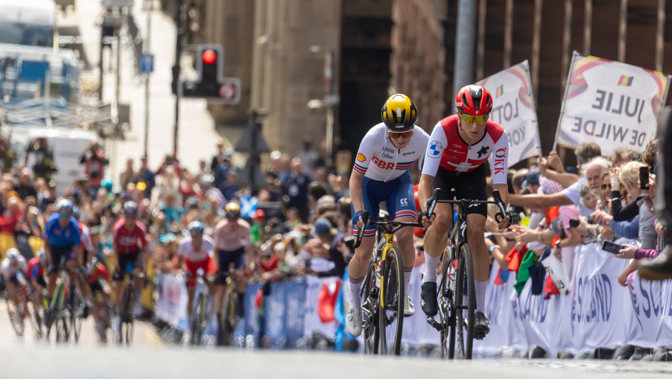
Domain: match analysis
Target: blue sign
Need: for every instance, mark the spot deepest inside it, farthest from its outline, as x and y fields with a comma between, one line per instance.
x=146, y=63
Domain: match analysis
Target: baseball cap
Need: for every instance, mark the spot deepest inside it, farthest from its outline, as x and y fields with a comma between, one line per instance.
x=322, y=227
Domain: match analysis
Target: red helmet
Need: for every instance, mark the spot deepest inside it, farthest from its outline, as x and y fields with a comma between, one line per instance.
x=473, y=100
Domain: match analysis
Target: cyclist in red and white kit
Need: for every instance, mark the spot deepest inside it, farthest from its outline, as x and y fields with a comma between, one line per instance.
x=196, y=251
x=129, y=244
x=456, y=155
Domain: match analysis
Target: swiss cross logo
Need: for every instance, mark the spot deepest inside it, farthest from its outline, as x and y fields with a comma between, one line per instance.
x=382, y=164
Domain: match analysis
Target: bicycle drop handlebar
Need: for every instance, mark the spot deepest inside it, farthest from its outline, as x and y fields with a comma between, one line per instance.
x=392, y=226
x=432, y=201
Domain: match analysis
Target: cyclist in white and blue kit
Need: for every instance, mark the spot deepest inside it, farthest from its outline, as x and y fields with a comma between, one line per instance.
x=380, y=173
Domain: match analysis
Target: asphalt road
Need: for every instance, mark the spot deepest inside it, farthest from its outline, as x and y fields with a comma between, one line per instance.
x=148, y=357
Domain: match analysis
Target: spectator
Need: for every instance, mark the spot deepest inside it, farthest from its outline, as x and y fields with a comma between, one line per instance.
x=309, y=157
x=146, y=177
x=46, y=193
x=24, y=187
x=94, y=162
x=7, y=154
x=295, y=189
x=327, y=244
x=128, y=175
x=43, y=158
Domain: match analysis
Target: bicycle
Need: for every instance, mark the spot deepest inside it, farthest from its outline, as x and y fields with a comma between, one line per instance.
x=18, y=313
x=126, y=318
x=200, y=315
x=230, y=315
x=456, y=318
x=63, y=313
x=383, y=289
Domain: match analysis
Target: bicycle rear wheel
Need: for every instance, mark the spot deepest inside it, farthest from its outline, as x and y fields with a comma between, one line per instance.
x=369, y=303
x=391, y=306
x=465, y=304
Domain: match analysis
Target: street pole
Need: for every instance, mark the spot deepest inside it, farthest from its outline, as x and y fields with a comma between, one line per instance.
x=328, y=87
x=118, y=79
x=464, y=49
x=176, y=73
x=150, y=8
x=100, y=65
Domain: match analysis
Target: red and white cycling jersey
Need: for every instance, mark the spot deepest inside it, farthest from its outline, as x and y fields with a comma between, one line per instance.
x=186, y=249
x=448, y=150
x=378, y=159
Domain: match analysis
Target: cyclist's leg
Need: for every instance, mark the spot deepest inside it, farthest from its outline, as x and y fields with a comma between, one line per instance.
x=191, y=271
x=118, y=279
x=138, y=281
x=53, y=271
x=225, y=259
x=72, y=263
x=372, y=195
x=401, y=207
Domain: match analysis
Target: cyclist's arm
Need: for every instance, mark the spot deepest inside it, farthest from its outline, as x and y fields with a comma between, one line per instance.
x=425, y=190
x=504, y=192
x=80, y=254
x=356, y=195
x=47, y=248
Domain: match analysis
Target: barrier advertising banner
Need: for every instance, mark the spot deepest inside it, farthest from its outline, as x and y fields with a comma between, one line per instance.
x=610, y=103
x=513, y=108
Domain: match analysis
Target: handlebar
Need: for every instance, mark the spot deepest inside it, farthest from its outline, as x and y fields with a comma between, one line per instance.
x=432, y=201
x=392, y=226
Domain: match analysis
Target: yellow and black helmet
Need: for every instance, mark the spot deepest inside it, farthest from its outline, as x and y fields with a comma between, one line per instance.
x=232, y=209
x=399, y=113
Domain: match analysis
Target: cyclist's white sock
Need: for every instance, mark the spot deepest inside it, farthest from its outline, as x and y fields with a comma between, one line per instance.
x=481, y=287
x=355, y=287
x=430, y=268
x=407, y=278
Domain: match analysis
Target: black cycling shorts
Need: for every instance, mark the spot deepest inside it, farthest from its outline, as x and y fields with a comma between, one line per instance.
x=127, y=262
x=468, y=185
x=225, y=258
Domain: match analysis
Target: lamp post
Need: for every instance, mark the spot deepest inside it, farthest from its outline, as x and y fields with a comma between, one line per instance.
x=330, y=100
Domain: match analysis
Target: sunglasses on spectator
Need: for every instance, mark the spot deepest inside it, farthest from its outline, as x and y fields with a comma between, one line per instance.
x=395, y=135
x=469, y=119
x=605, y=186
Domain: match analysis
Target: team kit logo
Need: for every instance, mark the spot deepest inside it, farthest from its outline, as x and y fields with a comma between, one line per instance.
x=361, y=157
x=435, y=149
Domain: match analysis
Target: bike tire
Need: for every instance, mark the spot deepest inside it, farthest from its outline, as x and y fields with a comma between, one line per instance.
x=62, y=330
x=16, y=320
x=198, y=319
x=446, y=307
x=391, y=303
x=54, y=310
x=75, y=304
x=229, y=317
x=464, y=323
x=369, y=301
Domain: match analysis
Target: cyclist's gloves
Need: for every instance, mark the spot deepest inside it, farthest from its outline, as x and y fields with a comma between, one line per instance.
x=356, y=217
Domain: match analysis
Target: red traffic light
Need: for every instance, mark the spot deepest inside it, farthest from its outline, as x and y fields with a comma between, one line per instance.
x=209, y=57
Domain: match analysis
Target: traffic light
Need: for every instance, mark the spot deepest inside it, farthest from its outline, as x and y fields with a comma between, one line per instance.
x=210, y=83
x=209, y=66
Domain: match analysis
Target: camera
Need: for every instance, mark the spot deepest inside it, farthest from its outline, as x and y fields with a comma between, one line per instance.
x=349, y=241
x=574, y=222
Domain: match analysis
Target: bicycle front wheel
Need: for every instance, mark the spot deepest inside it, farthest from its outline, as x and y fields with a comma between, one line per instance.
x=75, y=315
x=465, y=304
x=369, y=295
x=446, y=306
x=391, y=303
x=14, y=315
x=199, y=319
